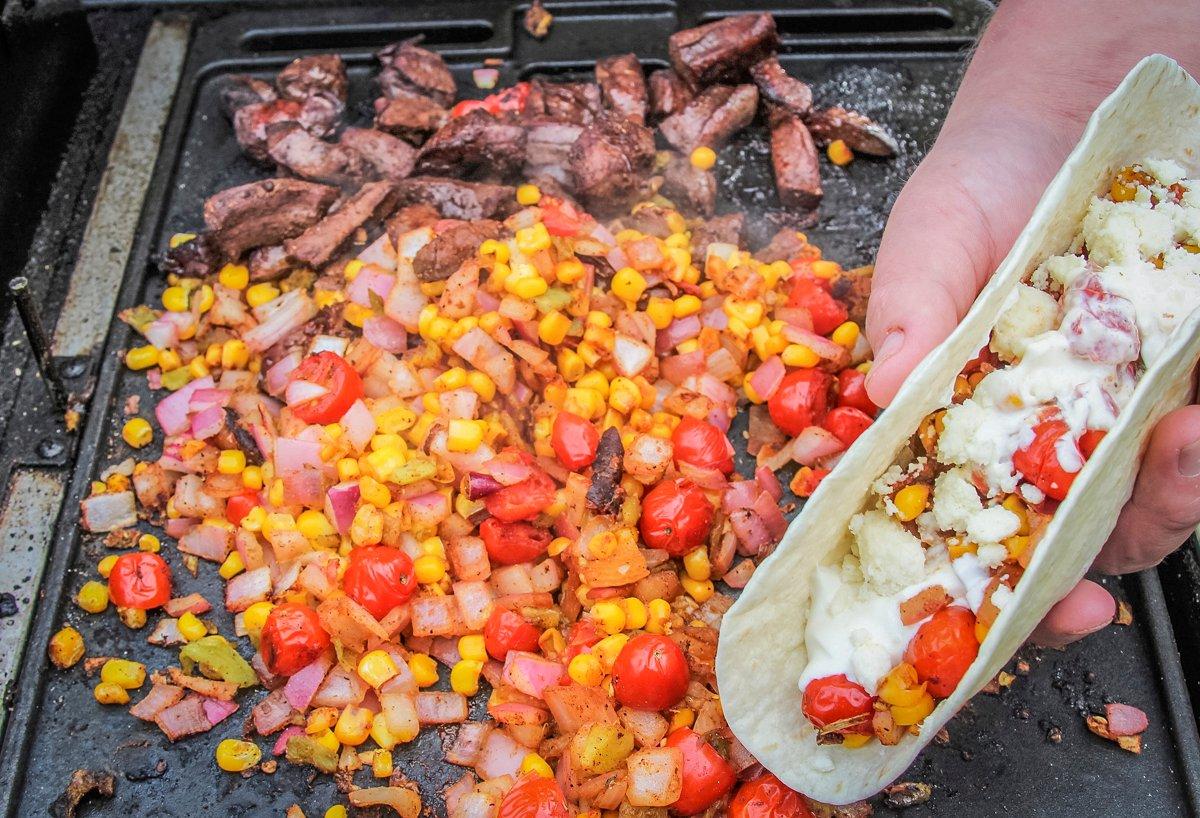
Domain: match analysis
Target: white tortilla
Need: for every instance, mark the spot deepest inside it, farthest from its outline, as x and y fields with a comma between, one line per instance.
x=1154, y=113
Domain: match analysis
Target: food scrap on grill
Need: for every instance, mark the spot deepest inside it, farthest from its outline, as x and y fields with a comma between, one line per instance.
x=537, y=20
x=1122, y=724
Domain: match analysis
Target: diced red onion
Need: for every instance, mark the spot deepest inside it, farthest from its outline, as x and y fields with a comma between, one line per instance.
x=769, y=482
x=487, y=302
x=678, y=331
x=767, y=508
x=711, y=479
x=304, y=683
x=481, y=485
x=678, y=368
x=216, y=711
x=505, y=472
x=203, y=399
x=176, y=527
x=814, y=443
x=467, y=745
x=172, y=411
x=293, y=456
x=161, y=333
x=766, y=379
x=383, y=332
x=739, y=575
x=300, y=391
x=276, y=378
x=281, y=743
x=341, y=502
x=500, y=755
x=358, y=425
x=108, y=512
x=246, y=588
x=722, y=366
x=740, y=494
x=208, y=422
x=751, y=531
x=819, y=344
x=796, y=316
x=279, y=318
x=370, y=279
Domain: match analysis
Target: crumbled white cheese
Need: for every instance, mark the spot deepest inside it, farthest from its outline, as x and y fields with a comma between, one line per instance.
x=1030, y=313
x=991, y=554
x=871, y=661
x=955, y=500
x=1057, y=272
x=890, y=557
x=1001, y=596
x=1122, y=232
x=992, y=524
x=1166, y=171
x=1031, y=494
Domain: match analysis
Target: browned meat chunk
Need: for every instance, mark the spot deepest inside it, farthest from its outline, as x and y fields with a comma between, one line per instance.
x=83, y=784
x=711, y=118
x=475, y=143
x=327, y=321
x=725, y=229
x=794, y=158
x=241, y=90
x=269, y=263
x=456, y=199
x=410, y=217
x=577, y=102
x=316, y=245
x=439, y=259
x=668, y=94
x=322, y=75
x=863, y=135
x=303, y=154
x=548, y=149
x=250, y=123
x=610, y=161
x=604, y=494
x=392, y=158
x=408, y=67
x=192, y=259
x=409, y=115
x=722, y=51
x=649, y=219
x=779, y=88
x=623, y=86
x=266, y=212
x=690, y=188
x=784, y=246
x=853, y=288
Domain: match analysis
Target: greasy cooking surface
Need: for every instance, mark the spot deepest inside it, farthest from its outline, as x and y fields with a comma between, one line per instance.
x=998, y=748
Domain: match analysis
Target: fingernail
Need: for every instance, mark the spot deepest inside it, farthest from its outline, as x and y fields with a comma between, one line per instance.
x=1189, y=459
x=890, y=346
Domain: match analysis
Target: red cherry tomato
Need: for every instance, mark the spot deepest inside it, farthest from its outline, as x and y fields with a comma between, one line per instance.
x=847, y=423
x=580, y=638
x=508, y=630
x=943, y=648
x=329, y=370
x=706, y=776
x=800, y=401
x=561, y=217
x=140, y=580
x=1039, y=460
x=832, y=699
x=807, y=479
x=651, y=673
x=292, y=638
x=1089, y=440
x=509, y=99
x=574, y=441
x=379, y=578
x=676, y=517
x=534, y=797
x=524, y=500
x=512, y=543
x=698, y=443
x=768, y=797
x=852, y=391
x=239, y=505
x=813, y=294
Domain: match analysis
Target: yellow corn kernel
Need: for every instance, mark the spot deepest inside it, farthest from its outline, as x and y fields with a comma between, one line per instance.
x=93, y=597
x=235, y=755
x=137, y=432
x=328, y=740
x=697, y=565
x=482, y=384
x=232, y=566
x=373, y=492
x=799, y=355
x=661, y=311
x=957, y=548
x=381, y=764
x=535, y=764
x=453, y=378
x=429, y=569
x=320, y=719
x=595, y=381
x=686, y=305
x=353, y=726
x=552, y=329
x=558, y=545
x=275, y=492
x=823, y=268
x=197, y=368
x=377, y=667
x=178, y=239
x=528, y=195
x=1014, y=504
x=347, y=469
x=433, y=545
x=142, y=357
x=569, y=270
x=206, y=298
x=424, y=669
x=915, y=713
x=853, y=740
x=231, y=461
x=608, y=649
x=260, y=294
x=367, y=526
x=169, y=360
x=839, y=153
x=212, y=355
x=533, y=239
x=570, y=365
x=845, y=335
x=464, y=435
x=472, y=647
x=191, y=628
x=252, y=478
x=234, y=355
x=636, y=614
x=750, y=312
x=585, y=669
x=530, y=287
x=464, y=676
x=105, y=565
x=256, y=615
x=1016, y=545
x=123, y=673
x=337, y=810
x=699, y=590
x=910, y=501
x=255, y=519
x=703, y=158
x=658, y=615
x=109, y=693
x=149, y=543
x=628, y=284
x=234, y=276
x=175, y=299
x=66, y=648
x=609, y=615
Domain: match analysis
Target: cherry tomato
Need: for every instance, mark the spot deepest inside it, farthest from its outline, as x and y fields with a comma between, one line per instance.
x=768, y=797
x=239, y=505
x=379, y=578
x=523, y=500
x=574, y=441
x=1039, y=460
x=329, y=370
x=509, y=99
x=676, y=517
x=292, y=638
x=512, y=543
x=1089, y=440
x=651, y=673
x=852, y=391
x=706, y=775
x=847, y=423
x=698, y=443
x=140, y=580
x=580, y=638
x=508, y=630
x=813, y=294
x=807, y=479
x=534, y=797
x=800, y=401
x=561, y=217
x=835, y=698
x=943, y=648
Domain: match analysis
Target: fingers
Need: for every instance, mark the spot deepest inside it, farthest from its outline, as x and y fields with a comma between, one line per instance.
x=1086, y=609
x=1165, y=506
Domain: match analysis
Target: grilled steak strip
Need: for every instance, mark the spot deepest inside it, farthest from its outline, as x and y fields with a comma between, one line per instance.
x=604, y=494
x=474, y=143
x=669, y=94
x=623, y=86
x=722, y=51
x=442, y=257
x=316, y=245
x=712, y=118
x=794, y=159
x=610, y=161
x=408, y=67
x=303, y=154
x=863, y=135
x=409, y=115
x=693, y=190
x=263, y=213
x=780, y=88
x=392, y=158
x=456, y=199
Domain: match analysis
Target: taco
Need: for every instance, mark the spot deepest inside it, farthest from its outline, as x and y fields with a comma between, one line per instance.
x=987, y=488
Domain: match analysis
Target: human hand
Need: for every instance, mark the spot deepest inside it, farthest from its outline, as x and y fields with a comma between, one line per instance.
x=1038, y=72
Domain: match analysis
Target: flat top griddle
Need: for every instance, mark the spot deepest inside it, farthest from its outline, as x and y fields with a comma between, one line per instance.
x=1023, y=751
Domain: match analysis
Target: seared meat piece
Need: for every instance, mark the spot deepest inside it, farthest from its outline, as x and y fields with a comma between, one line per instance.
x=853, y=288
x=548, y=149
x=409, y=115
x=269, y=263
x=241, y=90
x=863, y=135
x=780, y=88
x=475, y=142
x=669, y=94
x=456, y=199
x=327, y=321
x=262, y=213
x=690, y=188
x=784, y=246
x=649, y=219
x=794, y=158
x=577, y=102
x=722, y=51
x=250, y=123
x=623, y=86
x=610, y=161
x=322, y=75
x=711, y=118
x=439, y=259
x=408, y=67
x=192, y=259
x=726, y=229
x=392, y=158
x=316, y=245
x=303, y=154
x=604, y=494
x=410, y=217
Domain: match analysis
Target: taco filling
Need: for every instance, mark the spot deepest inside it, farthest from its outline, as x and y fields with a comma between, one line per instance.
x=955, y=520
